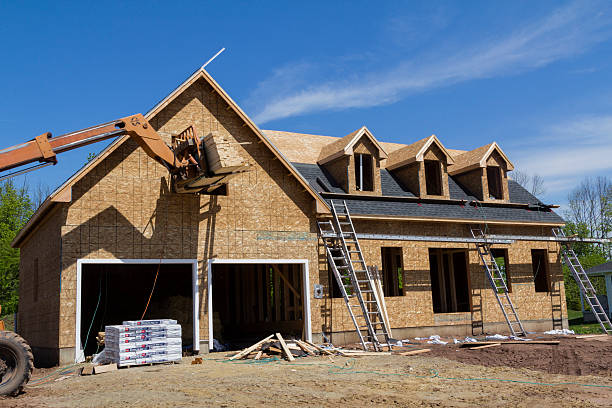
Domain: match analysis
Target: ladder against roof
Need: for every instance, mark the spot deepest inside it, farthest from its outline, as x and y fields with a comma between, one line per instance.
x=584, y=283
x=498, y=283
x=351, y=273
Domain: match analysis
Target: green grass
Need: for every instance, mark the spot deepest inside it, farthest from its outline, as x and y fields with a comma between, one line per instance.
x=576, y=324
x=591, y=328
x=574, y=315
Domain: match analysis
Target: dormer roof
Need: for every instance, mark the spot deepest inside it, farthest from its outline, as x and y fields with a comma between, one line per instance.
x=415, y=153
x=477, y=158
x=344, y=146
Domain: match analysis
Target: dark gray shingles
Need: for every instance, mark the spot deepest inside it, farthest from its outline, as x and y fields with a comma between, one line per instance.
x=321, y=181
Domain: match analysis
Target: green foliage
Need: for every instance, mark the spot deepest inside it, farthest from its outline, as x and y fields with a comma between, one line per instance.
x=589, y=255
x=591, y=328
x=90, y=157
x=15, y=209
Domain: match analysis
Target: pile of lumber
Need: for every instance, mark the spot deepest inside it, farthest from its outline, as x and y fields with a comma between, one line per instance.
x=221, y=154
x=275, y=345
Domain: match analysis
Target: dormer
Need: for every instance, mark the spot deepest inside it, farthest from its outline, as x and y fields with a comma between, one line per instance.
x=484, y=172
x=354, y=162
x=422, y=167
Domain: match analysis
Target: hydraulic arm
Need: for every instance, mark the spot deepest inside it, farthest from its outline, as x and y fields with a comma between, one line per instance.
x=185, y=160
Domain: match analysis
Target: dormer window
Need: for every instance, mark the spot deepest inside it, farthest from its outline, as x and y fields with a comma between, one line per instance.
x=494, y=180
x=433, y=177
x=364, y=172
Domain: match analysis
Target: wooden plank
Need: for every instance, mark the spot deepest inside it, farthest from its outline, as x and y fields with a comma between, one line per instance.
x=485, y=346
x=285, y=348
x=354, y=353
x=413, y=352
x=482, y=343
x=588, y=336
x=318, y=348
x=258, y=355
x=251, y=348
x=105, y=368
x=304, y=347
x=284, y=278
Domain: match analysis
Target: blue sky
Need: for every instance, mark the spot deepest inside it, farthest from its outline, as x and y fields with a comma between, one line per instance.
x=534, y=76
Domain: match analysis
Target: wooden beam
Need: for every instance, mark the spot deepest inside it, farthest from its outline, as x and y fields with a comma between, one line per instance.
x=322, y=350
x=285, y=348
x=284, y=278
x=413, y=352
x=247, y=350
x=485, y=346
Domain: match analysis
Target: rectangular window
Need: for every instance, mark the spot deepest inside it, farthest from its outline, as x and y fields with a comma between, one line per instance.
x=364, y=172
x=334, y=288
x=495, y=182
x=433, y=177
x=393, y=271
x=539, y=265
x=449, y=281
x=35, y=280
x=501, y=258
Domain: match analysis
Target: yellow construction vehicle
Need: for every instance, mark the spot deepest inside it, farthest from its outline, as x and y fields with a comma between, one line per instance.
x=186, y=159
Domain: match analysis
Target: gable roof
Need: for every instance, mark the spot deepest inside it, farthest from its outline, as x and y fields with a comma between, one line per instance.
x=63, y=194
x=477, y=158
x=415, y=152
x=344, y=146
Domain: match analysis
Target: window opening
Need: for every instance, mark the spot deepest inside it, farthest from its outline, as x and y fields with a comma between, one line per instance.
x=364, y=172
x=494, y=181
x=393, y=271
x=433, y=177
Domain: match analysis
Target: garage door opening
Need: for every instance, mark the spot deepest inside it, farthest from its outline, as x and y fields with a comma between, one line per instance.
x=113, y=292
x=253, y=300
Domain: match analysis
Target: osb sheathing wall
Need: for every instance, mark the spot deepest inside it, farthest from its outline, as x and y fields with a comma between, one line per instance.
x=122, y=208
x=39, y=288
x=415, y=307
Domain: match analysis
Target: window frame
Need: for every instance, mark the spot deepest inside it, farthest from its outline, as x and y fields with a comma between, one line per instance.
x=393, y=276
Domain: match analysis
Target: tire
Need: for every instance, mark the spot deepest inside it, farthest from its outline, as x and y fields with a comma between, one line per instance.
x=16, y=363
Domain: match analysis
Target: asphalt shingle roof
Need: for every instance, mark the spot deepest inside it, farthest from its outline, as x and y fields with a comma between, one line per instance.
x=321, y=180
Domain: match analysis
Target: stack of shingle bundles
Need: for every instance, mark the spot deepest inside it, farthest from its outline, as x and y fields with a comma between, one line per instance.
x=144, y=342
x=221, y=155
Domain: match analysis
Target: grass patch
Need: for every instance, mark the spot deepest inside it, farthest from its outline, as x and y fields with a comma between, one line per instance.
x=591, y=328
x=574, y=315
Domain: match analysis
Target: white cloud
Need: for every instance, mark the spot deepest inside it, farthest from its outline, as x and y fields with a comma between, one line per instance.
x=566, y=152
x=566, y=32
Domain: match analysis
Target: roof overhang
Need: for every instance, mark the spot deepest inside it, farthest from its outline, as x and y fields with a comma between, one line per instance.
x=481, y=161
x=398, y=158
x=347, y=149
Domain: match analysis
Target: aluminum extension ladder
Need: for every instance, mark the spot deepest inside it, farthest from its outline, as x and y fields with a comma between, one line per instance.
x=355, y=282
x=498, y=283
x=584, y=283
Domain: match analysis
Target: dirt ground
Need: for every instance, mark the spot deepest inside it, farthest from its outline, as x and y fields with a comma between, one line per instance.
x=449, y=376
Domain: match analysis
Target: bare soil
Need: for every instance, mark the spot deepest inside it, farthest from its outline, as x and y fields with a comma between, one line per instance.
x=572, y=356
x=449, y=376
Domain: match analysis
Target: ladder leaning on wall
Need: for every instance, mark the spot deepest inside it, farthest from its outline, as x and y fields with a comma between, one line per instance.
x=584, y=283
x=498, y=283
x=354, y=280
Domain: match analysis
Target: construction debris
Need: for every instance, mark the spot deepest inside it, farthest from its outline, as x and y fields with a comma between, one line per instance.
x=105, y=368
x=485, y=346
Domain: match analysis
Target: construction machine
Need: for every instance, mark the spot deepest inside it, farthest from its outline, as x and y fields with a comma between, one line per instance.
x=195, y=165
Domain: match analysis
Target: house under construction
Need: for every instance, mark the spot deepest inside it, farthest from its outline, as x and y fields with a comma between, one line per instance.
x=320, y=235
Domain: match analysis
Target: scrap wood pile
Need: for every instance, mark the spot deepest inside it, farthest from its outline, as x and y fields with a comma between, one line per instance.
x=275, y=345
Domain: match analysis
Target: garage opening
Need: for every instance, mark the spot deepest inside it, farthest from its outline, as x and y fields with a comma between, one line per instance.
x=449, y=280
x=112, y=293
x=252, y=301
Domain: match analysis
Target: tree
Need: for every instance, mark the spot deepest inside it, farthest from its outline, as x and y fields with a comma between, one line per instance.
x=532, y=183
x=590, y=204
x=15, y=209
